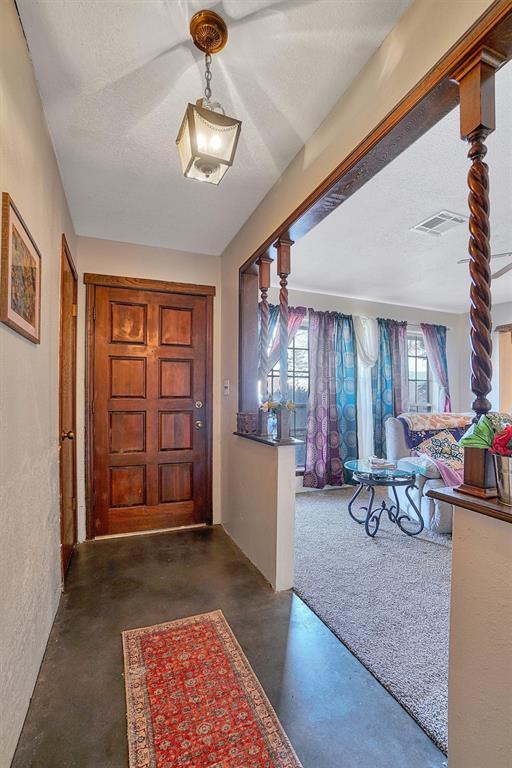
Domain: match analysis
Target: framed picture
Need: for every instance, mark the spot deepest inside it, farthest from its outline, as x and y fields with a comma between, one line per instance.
x=20, y=275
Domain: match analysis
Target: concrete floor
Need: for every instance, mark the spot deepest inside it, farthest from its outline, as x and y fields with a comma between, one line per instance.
x=334, y=712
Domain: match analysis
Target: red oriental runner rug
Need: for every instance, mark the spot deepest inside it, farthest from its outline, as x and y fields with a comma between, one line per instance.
x=193, y=700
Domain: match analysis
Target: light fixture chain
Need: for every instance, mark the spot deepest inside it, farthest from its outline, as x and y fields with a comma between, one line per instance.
x=208, y=76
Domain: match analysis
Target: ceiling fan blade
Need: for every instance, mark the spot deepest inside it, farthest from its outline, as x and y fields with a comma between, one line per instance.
x=502, y=271
x=493, y=256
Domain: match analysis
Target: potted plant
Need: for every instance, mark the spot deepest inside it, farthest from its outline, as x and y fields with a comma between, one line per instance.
x=479, y=441
x=502, y=455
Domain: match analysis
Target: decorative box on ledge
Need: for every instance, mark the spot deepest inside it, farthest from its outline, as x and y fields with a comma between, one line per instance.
x=255, y=426
x=479, y=474
x=247, y=423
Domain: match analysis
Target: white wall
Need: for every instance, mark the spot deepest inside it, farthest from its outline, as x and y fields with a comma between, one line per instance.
x=350, y=306
x=29, y=443
x=480, y=672
x=426, y=31
x=263, y=491
x=128, y=260
x=505, y=370
x=501, y=315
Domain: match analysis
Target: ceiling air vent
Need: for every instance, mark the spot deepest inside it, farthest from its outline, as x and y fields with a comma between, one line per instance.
x=440, y=223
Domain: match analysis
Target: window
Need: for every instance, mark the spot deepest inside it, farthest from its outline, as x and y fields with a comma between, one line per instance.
x=298, y=387
x=419, y=374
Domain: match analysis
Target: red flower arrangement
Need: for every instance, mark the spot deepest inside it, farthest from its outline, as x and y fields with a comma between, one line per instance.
x=502, y=443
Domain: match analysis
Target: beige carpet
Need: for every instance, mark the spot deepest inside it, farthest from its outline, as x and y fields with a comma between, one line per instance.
x=387, y=599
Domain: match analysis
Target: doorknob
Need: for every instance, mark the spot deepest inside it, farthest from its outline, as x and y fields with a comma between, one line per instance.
x=70, y=435
x=199, y=424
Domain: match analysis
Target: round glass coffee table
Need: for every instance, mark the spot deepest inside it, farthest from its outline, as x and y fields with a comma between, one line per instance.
x=369, y=478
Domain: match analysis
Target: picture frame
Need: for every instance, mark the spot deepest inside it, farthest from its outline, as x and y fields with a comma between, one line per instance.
x=20, y=274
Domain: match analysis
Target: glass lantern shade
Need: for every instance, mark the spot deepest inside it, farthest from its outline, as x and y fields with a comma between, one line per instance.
x=207, y=143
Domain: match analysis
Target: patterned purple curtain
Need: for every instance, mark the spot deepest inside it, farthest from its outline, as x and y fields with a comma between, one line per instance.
x=435, y=345
x=323, y=453
x=295, y=317
x=398, y=343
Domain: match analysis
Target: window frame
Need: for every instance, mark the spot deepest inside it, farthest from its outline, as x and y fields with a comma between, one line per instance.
x=415, y=406
x=294, y=375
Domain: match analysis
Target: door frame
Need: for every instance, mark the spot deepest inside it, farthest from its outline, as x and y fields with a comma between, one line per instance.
x=92, y=281
x=65, y=255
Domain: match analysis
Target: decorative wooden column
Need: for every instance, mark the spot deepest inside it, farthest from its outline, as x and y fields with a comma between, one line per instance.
x=264, y=284
x=283, y=247
x=477, y=121
x=264, y=341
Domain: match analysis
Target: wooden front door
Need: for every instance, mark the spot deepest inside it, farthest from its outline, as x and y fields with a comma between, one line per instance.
x=151, y=409
x=67, y=407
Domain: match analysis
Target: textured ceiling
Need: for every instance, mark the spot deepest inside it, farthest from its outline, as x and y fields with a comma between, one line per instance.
x=365, y=248
x=115, y=78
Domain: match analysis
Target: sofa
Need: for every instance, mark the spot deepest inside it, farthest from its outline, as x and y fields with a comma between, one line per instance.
x=404, y=436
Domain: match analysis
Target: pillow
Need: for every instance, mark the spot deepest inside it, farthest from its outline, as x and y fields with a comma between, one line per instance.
x=421, y=465
x=443, y=447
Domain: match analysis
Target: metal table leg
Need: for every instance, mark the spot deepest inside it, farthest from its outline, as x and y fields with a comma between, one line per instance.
x=372, y=522
x=416, y=526
x=354, y=497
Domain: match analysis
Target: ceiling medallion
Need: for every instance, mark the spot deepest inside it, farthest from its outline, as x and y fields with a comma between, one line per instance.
x=207, y=138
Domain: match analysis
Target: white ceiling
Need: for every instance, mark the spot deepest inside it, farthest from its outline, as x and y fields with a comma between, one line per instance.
x=365, y=248
x=115, y=78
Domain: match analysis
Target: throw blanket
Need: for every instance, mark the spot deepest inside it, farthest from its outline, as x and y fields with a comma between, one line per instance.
x=422, y=426
x=428, y=421
x=450, y=475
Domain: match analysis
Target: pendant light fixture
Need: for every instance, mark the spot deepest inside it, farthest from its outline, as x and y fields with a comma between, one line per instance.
x=208, y=138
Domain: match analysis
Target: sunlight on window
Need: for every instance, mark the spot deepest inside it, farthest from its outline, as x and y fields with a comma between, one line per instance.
x=298, y=387
x=419, y=375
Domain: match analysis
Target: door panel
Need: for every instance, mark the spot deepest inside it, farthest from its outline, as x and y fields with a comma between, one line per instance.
x=150, y=436
x=67, y=407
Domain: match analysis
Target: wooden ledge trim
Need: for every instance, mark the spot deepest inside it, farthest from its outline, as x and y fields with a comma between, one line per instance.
x=268, y=440
x=489, y=507
x=142, y=283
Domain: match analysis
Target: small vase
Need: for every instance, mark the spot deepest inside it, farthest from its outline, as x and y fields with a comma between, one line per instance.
x=264, y=423
x=503, y=467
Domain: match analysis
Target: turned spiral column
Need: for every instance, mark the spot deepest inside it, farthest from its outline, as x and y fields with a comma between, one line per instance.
x=283, y=270
x=264, y=365
x=477, y=120
x=480, y=272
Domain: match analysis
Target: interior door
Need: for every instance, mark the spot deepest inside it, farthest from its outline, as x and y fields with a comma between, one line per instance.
x=150, y=418
x=67, y=407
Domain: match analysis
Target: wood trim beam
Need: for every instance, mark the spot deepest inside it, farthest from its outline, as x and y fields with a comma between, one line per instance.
x=425, y=104
x=115, y=281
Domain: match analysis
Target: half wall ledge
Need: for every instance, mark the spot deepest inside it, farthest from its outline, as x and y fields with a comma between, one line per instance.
x=489, y=507
x=269, y=440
